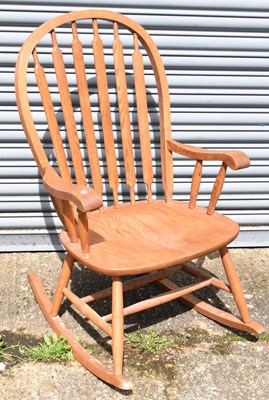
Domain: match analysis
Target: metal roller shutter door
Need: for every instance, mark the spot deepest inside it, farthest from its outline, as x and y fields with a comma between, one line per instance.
x=216, y=58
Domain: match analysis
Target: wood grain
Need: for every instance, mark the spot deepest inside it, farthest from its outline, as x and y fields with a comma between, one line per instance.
x=214, y=313
x=117, y=325
x=104, y=104
x=62, y=283
x=142, y=113
x=154, y=238
x=51, y=119
x=84, y=197
x=125, y=124
x=81, y=355
x=68, y=111
x=134, y=240
x=217, y=188
x=234, y=159
x=234, y=284
x=86, y=113
x=195, y=184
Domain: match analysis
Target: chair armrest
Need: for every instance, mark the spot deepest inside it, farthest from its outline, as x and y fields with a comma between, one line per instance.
x=85, y=198
x=235, y=159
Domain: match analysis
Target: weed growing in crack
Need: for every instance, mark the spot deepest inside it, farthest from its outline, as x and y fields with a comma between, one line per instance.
x=150, y=342
x=52, y=348
x=6, y=351
x=264, y=337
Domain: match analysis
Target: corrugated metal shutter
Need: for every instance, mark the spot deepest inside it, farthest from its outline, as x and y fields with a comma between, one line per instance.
x=216, y=58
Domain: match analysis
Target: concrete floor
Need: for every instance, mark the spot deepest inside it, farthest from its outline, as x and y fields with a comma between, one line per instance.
x=205, y=366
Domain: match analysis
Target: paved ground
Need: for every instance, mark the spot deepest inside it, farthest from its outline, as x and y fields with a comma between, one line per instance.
x=208, y=361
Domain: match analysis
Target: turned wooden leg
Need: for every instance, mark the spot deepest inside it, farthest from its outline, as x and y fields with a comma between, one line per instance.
x=82, y=356
x=62, y=283
x=117, y=325
x=235, y=284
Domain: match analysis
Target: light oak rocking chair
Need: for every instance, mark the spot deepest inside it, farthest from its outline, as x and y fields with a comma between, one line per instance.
x=151, y=237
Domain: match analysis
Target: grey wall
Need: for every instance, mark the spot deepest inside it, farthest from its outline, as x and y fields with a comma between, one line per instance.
x=216, y=58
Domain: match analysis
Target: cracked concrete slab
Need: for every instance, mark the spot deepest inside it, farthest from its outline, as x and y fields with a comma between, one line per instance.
x=202, y=368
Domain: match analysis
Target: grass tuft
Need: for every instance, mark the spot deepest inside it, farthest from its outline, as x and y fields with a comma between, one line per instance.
x=264, y=336
x=150, y=342
x=52, y=348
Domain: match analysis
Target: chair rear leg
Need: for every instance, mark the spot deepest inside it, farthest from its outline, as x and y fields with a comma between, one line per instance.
x=117, y=324
x=235, y=285
x=63, y=280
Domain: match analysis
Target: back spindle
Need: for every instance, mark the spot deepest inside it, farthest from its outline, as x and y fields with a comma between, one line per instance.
x=51, y=118
x=217, y=188
x=104, y=103
x=142, y=113
x=68, y=113
x=195, y=184
x=86, y=113
x=124, y=112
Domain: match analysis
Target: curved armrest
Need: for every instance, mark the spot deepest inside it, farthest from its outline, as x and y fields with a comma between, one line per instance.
x=85, y=198
x=235, y=159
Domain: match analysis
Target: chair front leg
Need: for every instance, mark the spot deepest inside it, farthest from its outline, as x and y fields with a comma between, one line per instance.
x=117, y=324
x=62, y=283
x=235, y=285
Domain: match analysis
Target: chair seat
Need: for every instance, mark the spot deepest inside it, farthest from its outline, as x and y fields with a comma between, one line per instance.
x=146, y=237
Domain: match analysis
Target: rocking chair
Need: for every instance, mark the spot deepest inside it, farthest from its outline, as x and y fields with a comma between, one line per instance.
x=101, y=96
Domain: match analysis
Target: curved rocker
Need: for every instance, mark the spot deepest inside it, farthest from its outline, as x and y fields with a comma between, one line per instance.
x=80, y=354
x=223, y=317
x=214, y=313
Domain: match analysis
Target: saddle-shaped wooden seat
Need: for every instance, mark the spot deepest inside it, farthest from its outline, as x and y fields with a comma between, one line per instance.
x=182, y=234
x=94, y=73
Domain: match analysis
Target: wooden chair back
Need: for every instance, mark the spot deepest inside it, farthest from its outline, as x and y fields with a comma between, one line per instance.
x=99, y=81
